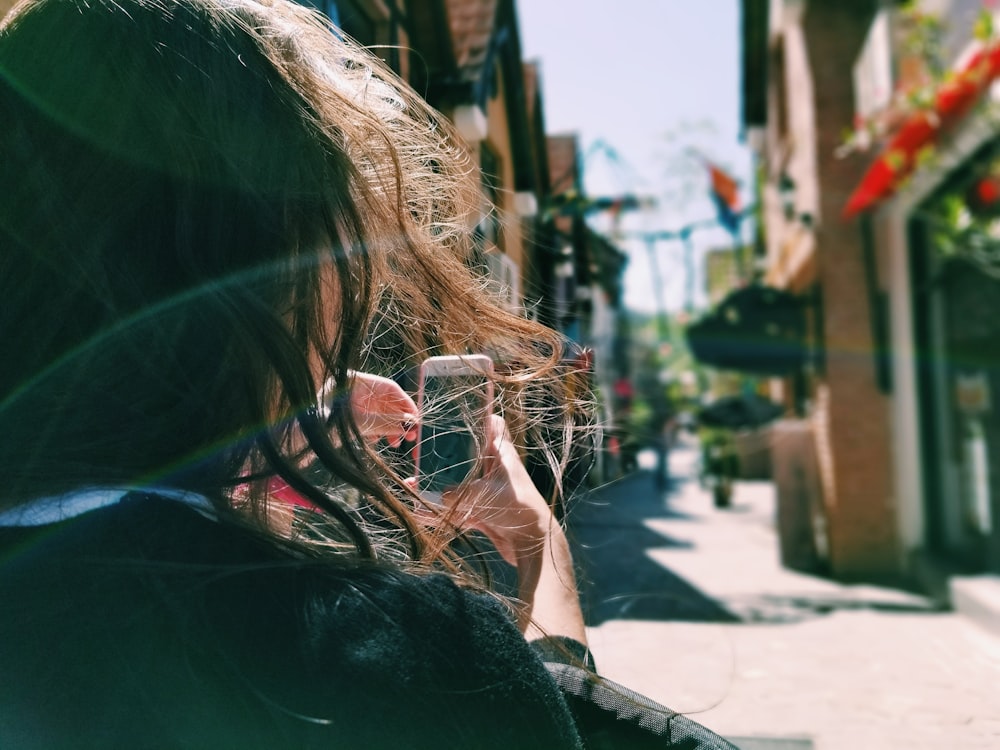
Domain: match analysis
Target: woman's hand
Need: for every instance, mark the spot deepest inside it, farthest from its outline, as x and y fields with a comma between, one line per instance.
x=381, y=408
x=505, y=506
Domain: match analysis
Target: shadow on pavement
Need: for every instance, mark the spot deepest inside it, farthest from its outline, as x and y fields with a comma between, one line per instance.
x=617, y=578
x=772, y=609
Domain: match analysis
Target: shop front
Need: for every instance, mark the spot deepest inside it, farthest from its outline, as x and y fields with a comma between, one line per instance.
x=954, y=247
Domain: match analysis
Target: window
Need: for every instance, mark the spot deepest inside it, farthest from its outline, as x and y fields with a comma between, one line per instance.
x=370, y=22
x=505, y=279
x=489, y=230
x=354, y=20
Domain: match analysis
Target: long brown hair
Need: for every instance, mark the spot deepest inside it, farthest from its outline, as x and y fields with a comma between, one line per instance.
x=178, y=176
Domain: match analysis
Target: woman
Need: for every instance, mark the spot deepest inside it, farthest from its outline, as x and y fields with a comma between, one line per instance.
x=212, y=211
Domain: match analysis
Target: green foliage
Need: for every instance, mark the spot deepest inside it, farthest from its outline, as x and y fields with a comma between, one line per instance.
x=983, y=29
x=926, y=156
x=956, y=232
x=923, y=35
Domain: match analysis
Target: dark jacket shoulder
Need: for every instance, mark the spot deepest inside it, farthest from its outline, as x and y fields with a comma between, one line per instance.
x=148, y=624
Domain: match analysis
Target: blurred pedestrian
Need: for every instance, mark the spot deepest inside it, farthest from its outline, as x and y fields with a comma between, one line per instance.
x=662, y=431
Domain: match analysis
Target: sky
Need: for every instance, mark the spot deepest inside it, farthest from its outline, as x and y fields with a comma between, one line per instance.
x=641, y=82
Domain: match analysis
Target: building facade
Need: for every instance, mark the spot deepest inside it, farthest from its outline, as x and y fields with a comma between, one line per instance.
x=833, y=458
x=940, y=277
x=896, y=414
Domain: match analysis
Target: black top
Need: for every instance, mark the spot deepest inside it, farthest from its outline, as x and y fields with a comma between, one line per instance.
x=147, y=624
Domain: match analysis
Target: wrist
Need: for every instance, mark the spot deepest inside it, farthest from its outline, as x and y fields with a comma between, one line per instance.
x=546, y=548
x=538, y=532
x=547, y=589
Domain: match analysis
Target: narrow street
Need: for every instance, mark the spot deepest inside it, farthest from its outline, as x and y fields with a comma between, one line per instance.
x=688, y=605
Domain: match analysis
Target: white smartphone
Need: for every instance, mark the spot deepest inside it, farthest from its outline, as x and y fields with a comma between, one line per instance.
x=454, y=397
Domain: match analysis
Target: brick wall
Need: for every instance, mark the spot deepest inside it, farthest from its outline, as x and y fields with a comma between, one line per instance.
x=857, y=451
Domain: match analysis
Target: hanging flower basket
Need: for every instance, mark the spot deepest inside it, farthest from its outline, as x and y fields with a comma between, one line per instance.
x=923, y=129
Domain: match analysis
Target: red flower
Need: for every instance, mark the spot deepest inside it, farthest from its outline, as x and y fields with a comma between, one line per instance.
x=952, y=100
x=988, y=190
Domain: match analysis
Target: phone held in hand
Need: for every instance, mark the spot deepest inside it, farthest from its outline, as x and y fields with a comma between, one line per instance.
x=455, y=397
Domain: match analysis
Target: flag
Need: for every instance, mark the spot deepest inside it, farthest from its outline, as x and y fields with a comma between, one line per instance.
x=726, y=194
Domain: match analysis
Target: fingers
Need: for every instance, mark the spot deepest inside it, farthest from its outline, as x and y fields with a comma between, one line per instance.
x=382, y=409
x=374, y=394
x=467, y=497
x=500, y=450
x=395, y=429
x=496, y=431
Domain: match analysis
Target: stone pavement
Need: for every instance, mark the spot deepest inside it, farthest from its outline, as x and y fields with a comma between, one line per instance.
x=689, y=605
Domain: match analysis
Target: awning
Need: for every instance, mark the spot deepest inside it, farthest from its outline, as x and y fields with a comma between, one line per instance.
x=952, y=101
x=758, y=330
x=739, y=412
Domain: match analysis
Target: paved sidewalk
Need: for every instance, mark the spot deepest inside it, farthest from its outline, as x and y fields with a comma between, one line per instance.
x=689, y=605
